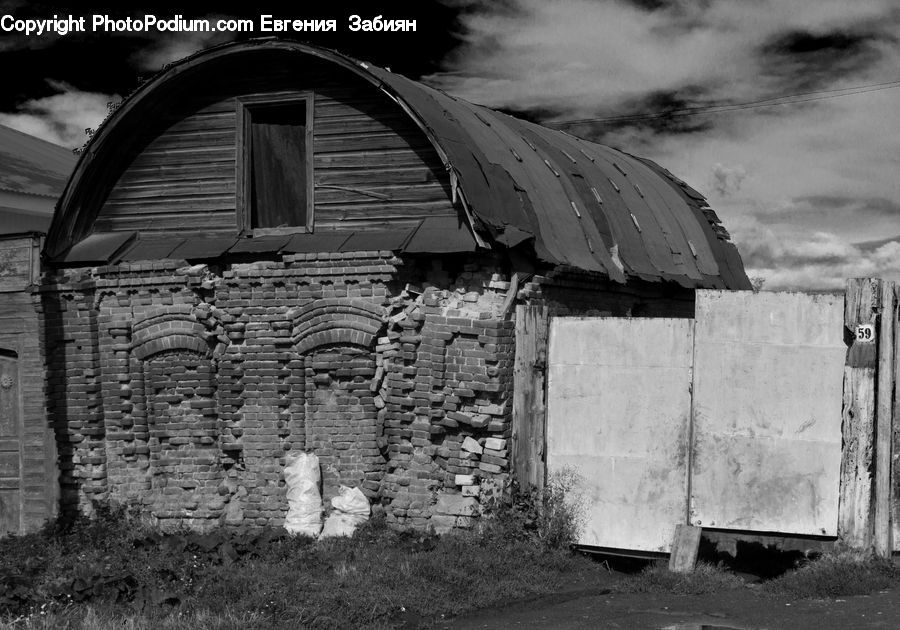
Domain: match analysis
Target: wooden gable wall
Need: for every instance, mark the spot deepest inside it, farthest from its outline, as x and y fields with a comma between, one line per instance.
x=373, y=167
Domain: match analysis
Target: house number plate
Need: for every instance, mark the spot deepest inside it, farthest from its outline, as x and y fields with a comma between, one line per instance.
x=865, y=333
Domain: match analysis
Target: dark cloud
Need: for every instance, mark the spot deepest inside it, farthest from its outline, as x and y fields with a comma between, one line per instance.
x=652, y=113
x=869, y=246
x=877, y=205
x=673, y=6
x=767, y=250
x=818, y=208
x=112, y=63
x=652, y=5
x=666, y=109
x=682, y=16
x=803, y=60
x=537, y=115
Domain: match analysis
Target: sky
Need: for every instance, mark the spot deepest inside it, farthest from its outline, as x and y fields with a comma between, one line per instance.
x=808, y=185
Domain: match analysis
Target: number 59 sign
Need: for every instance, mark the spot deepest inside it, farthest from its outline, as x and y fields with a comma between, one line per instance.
x=865, y=333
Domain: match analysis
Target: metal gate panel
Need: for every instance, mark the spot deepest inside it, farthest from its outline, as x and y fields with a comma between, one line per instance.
x=618, y=409
x=767, y=411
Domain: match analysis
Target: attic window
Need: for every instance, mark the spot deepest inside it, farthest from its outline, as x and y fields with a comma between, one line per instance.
x=274, y=164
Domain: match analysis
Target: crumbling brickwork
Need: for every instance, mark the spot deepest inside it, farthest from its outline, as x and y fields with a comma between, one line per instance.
x=180, y=388
x=569, y=291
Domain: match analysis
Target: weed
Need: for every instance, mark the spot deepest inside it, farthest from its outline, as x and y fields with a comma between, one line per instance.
x=551, y=518
x=834, y=575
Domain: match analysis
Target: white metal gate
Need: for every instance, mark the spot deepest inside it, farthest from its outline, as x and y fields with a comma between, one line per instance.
x=756, y=447
x=768, y=373
x=618, y=411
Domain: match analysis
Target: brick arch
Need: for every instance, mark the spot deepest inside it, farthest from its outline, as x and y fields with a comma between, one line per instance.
x=173, y=328
x=332, y=321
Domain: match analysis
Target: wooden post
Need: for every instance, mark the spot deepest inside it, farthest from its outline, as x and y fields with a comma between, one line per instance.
x=855, y=518
x=895, y=454
x=884, y=421
x=685, y=545
x=529, y=405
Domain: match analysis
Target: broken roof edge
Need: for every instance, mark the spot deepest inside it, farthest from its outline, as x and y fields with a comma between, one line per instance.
x=435, y=235
x=560, y=274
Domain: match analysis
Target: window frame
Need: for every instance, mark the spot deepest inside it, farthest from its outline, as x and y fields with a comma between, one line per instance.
x=243, y=165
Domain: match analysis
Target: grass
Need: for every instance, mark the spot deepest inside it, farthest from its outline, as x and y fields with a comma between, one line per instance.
x=835, y=575
x=832, y=575
x=104, y=618
x=111, y=572
x=375, y=579
x=656, y=578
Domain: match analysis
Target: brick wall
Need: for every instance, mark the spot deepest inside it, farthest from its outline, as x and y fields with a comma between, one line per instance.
x=180, y=389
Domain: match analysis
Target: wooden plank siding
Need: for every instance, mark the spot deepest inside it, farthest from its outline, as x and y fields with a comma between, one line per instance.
x=373, y=166
x=20, y=335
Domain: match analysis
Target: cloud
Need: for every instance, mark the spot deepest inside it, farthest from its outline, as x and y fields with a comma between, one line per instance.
x=871, y=216
x=802, y=60
x=873, y=245
x=726, y=180
x=590, y=58
x=169, y=48
x=63, y=117
x=816, y=261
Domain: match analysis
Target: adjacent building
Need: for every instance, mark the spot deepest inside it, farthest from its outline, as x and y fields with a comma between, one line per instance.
x=32, y=175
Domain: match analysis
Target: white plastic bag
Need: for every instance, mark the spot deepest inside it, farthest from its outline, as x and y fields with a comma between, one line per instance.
x=301, y=474
x=351, y=509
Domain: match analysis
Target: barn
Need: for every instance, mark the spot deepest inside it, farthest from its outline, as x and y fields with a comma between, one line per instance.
x=272, y=247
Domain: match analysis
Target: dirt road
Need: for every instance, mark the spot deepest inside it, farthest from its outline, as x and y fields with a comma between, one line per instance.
x=741, y=609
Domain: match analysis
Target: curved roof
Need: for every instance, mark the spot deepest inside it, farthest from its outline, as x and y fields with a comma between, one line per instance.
x=578, y=203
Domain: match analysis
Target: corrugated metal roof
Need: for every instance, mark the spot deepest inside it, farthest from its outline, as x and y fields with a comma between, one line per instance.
x=33, y=166
x=98, y=248
x=584, y=205
x=33, y=173
x=435, y=234
x=577, y=203
x=441, y=235
x=151, y=248
x=392, y=240
x=318, y=242
x=19, y=221
x=260, y=244
x=203, y=247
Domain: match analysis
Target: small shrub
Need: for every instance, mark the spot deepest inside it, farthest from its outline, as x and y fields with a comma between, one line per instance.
x=551, y=518
x=835, y=575
x=656, y=578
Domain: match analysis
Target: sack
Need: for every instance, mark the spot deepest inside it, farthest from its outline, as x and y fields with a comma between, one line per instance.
x=351, y=509
x=351, y=501
x=301, y=474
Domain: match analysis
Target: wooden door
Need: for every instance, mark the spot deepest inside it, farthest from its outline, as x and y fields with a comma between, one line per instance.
x=10, y=445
